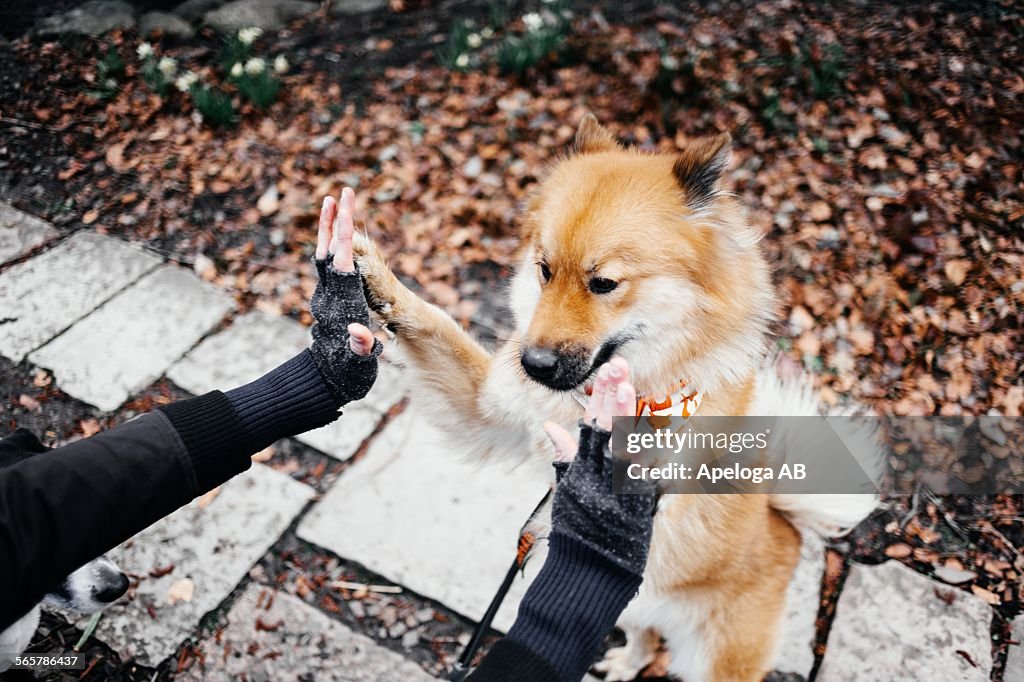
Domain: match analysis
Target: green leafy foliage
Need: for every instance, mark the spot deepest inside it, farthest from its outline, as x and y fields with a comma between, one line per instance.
x=214, y=105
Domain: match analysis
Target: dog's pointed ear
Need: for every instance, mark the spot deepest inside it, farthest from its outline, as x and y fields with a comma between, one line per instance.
x=592, y=137
x=699, y=167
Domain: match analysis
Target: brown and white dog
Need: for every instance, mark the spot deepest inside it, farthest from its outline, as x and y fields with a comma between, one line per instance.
x=643, y=256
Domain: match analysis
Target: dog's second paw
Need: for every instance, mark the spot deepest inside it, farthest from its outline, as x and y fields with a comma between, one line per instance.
x=623, y=663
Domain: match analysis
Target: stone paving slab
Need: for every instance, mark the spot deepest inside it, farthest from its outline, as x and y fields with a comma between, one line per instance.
x=132, y=339
x=893, y=623
x=796, y=650
x=46, y=294
x=1014, y=671
x=254, y=344
x=21, y=232
x=412, y=510
x=342, y=438
x=258, y=342
x=303, y=644
x=213, y=544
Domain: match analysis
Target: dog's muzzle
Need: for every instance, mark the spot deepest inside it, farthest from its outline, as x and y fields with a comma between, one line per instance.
x=566, y=369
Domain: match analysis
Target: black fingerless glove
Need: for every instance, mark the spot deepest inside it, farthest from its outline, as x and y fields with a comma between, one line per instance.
x=338, y=302
x=598, y=550
x=585, y=508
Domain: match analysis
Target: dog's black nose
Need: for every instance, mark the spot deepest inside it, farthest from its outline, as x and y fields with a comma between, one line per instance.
x=114, y=591
x=540, y=363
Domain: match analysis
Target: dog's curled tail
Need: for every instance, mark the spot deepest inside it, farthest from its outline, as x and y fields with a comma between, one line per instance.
x=782, y=393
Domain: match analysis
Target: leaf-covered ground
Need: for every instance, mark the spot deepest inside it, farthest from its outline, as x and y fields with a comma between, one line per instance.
x=878, y=146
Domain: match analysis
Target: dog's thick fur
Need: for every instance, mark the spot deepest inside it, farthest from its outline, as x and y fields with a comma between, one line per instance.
x=693, y=300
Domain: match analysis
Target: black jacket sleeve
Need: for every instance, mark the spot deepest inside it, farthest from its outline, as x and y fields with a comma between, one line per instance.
x=62, y=508
x=565, y=615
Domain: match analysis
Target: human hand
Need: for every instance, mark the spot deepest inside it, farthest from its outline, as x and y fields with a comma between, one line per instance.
x=343, y=348
x=585, y=508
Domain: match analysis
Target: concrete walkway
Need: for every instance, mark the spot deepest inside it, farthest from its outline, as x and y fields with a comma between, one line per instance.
x=108, y=319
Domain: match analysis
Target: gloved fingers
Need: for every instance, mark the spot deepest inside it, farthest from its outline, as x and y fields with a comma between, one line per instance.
x=325, y=227
x=341, y=240
x=360, y=339
x=360, y=373
x=339, y=297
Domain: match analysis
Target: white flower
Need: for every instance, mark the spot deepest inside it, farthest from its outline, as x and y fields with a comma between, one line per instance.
x=255, y=66
x=144, y=50
x=186, y=81
x=247, y=35
x=462, y=61
x=236, y=70
x=533, y=21
x=167, y=66
x=473, y=40
x=487, y=32
x=669, y=62
x=280, y=64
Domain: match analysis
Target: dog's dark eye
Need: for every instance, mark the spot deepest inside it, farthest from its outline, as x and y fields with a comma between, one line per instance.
x=602, y=285
x=545, y=272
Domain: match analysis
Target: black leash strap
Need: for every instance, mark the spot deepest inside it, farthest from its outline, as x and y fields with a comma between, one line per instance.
x=525, y=544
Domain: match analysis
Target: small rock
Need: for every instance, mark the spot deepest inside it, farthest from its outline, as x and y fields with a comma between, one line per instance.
x=425, y=615
x=92, y=18
x=356, y=607
x=992, y=429
x=954, y=576
x=321, y=142
x=193, y=10
x=473, y=168
x=397, y=630
x=166, y=24
x=270, y=15
x=388, y=616
x=268, y=203
x=357, y=6
x=205, y=267
x=410, y=639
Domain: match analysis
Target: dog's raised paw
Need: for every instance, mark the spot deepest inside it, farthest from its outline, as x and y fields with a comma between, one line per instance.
x=623, y=663
x=381, y=285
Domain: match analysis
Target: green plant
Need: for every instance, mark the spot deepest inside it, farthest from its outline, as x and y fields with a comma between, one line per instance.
x=109, y=71
x=825, y=67
x=821, y=67
x=545, y=37
x=256, y=81
x=213, y=104
x=157, y=73
x=773, y=115
x=238, y=47
x=455, y=53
